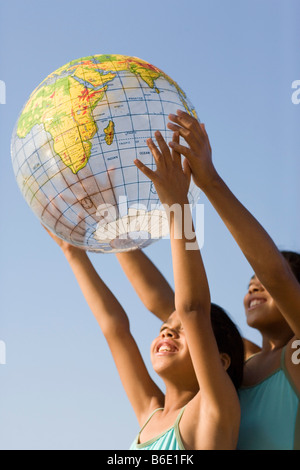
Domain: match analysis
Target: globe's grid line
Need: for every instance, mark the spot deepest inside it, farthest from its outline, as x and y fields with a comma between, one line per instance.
x=60, y=194
x=150, y=127
x=50, y=180
x=48, y=142
x=135, y=149
x=81, y=182
x=108, y=104
x=89, y=166
x=115, y=136
x=163, y=115
x=136, y=139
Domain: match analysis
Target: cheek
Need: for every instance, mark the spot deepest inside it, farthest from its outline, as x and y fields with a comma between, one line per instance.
x=246, y=301
x=153, y=347
x=274, y=310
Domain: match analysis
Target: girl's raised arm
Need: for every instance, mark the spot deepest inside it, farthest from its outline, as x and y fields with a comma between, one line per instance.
x=148, y=282
x=192, y=296
x=266, y=260
x=142, y=392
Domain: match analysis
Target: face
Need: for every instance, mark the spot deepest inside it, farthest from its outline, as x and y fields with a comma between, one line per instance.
x=261, y=310
x=169, y=351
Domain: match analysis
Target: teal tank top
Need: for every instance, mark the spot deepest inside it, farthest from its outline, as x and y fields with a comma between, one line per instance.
x=270, y=413
x=168, y=440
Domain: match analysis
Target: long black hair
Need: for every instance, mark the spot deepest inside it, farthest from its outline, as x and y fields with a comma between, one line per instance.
x=293, y=259
x=229, y=341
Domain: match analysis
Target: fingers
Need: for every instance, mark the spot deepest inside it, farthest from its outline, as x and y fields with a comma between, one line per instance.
x=180, y=149
x=144, y=169
x=165, y=151
x=190, y=129
x=162, y=156
x=176, y=156
x=184, y=119
x=187, y=169
x=176, y=128
x=47, y=230
x=155, y=152
x=53, y=236
x=187, y=126
x=206, y=136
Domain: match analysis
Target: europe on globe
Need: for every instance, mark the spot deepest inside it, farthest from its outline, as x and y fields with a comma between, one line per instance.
x=74, y=145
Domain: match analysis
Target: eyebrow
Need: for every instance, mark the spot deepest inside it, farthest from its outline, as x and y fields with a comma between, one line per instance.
x=163, y=327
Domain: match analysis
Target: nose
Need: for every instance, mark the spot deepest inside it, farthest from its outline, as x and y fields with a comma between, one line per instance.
x=168, y=333
x=255, y=287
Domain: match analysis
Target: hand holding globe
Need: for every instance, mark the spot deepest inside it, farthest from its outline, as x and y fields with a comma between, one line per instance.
x=74, y=145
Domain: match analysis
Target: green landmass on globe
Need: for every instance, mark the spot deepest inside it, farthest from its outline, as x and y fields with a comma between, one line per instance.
x=64, y=102
x=74, y=145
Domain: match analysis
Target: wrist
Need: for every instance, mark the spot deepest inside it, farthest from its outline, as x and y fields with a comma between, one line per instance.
x=72, y=252
x=175, y=200
x=211, y=183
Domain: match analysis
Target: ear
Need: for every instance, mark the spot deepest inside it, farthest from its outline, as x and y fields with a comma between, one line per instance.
x=225, y=359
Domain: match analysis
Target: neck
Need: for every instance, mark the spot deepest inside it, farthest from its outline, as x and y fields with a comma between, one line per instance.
x=178, y=395
x=274, y=340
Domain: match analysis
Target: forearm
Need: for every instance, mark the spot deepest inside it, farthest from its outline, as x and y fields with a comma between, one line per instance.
x=191, y=286
x=148, y=282
x=254, y=241
x=103, y=304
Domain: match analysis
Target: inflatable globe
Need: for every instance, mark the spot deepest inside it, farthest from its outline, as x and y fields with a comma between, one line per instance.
x=74, y=144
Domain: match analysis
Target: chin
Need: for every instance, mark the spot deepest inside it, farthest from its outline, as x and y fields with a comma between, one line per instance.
x=261, y=321
x=162, y=367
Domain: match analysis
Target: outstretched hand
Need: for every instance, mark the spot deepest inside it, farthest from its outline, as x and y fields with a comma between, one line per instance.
x=198, y=154
x=65, y=246
x=171, y=179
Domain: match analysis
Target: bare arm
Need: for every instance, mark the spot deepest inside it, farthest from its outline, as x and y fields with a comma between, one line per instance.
x=113, y=321
x=192, y=296
x=269, y=265
x=148, y=282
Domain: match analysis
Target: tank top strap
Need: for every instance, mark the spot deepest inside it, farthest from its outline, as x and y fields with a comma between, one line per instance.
x=176, y=429
x=148, y=419
x=179, y=416
x=282, y=360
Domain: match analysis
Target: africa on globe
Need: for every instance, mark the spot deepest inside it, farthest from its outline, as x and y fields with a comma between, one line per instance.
x=74, y=145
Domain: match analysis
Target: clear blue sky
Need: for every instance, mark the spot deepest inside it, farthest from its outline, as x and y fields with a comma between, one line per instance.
x=236, y=60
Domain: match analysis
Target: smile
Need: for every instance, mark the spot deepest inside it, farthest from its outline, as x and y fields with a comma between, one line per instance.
x=255, y=303
x=166, y=347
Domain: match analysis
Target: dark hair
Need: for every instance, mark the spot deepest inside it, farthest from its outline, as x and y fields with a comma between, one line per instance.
x=293, y=259
x=229, y=341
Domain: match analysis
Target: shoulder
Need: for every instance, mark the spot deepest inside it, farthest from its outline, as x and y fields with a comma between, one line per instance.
x=250, y=348
x=205, y=426
x=156, y=403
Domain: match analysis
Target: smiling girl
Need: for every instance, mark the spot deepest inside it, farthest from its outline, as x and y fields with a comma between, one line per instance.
x=198, y=352
x=270, y=398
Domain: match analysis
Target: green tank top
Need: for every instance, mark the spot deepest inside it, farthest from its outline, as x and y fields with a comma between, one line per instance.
x=168, y=440
x=270, y=413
